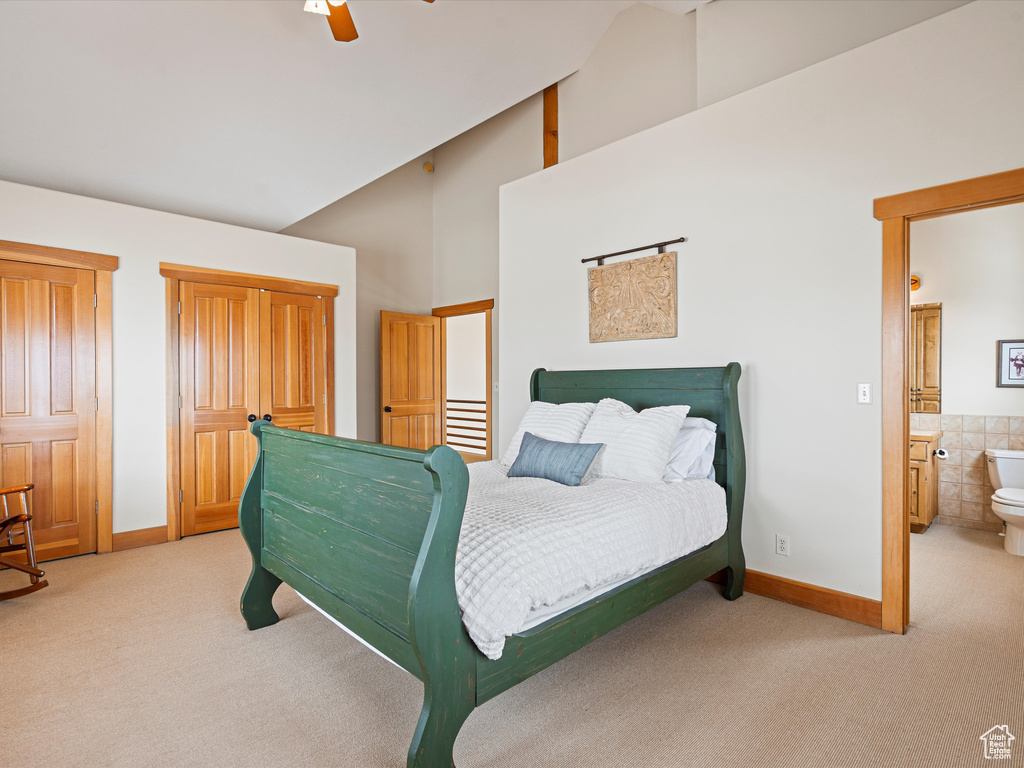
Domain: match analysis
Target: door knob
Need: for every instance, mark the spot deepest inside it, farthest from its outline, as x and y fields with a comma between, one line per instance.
x=267, y=417
x=387, y=409
x=252, y=417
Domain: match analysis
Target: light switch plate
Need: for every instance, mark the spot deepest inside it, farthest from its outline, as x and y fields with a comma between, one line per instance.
x=864, y=394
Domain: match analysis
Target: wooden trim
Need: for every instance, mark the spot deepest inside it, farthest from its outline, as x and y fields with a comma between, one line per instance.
x=862, y=610
x=896, y=212
x=895, y=425
x=444, y=378
x=983, y=191
x=469, y=308
x=244, y=280
x=551, y=125
x=926, y=216
x=104, y=413
x=489, y=406
x=57, y=257
x=172, y=385
x=329, y=358
x=455, y=310
x=140, y=538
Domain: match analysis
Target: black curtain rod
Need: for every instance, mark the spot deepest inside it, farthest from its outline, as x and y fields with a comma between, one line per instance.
x=659, y=246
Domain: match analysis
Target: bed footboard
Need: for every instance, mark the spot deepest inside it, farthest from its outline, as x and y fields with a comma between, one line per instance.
x=369, y=534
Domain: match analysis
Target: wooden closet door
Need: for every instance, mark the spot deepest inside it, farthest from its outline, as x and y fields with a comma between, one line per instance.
x=293, y=379
x=410, y=380
x=219, y=343
x=47, y=401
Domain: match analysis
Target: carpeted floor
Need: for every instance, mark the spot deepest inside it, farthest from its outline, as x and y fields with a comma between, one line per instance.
x=140, y=658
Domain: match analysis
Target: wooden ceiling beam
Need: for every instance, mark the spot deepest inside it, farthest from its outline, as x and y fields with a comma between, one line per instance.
x=551, y=125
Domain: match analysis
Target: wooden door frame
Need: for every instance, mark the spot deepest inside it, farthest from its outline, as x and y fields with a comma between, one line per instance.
x=455, y=310
x=102, y=267
x=896, y=212
x=175, y=273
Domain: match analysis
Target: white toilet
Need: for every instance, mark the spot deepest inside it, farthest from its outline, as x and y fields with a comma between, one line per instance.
x=1006, y=471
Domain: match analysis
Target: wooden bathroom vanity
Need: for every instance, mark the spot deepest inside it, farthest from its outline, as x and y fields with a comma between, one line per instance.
x=924, y=479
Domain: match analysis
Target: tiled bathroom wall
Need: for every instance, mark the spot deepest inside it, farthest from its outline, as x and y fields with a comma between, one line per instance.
x=964, y=487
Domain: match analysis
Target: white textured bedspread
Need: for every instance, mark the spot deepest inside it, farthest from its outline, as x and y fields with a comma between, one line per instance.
x=528, y=543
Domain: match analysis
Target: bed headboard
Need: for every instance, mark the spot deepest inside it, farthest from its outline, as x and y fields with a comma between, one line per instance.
x=710, y=392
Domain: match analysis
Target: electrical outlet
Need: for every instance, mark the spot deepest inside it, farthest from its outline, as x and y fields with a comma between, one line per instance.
x=781, y=545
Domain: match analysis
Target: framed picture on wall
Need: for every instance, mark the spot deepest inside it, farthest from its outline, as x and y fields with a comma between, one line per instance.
x=1010, y=363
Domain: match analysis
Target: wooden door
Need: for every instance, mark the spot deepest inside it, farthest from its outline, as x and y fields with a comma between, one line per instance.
x=915, y=492
x=410, y=376
x=929, y=358
x=220, y=377
x=914, y=353
x=926, y=358
x=244, y=353
x=48, y=400
x=293, y=380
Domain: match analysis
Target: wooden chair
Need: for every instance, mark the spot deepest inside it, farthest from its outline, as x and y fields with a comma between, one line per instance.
x=8, y=532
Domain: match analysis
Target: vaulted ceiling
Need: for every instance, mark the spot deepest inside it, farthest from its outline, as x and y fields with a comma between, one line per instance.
x=247, y=111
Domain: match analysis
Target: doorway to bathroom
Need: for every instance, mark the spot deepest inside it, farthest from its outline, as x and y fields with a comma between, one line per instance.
x=957, y=346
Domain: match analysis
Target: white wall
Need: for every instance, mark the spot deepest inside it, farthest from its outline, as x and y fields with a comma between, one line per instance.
x=782, y=271
x=466, y=370
x=467, y=360
x=141, y=239
x=745, y=43
x=973, y=262
x=469, y=169
x=390, y=224
x=467, y=173
x=642, y=73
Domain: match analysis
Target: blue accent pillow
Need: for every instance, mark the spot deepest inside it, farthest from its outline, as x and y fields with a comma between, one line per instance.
x=565, y=463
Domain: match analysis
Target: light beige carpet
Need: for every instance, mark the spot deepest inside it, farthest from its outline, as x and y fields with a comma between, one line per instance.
x=140, y=658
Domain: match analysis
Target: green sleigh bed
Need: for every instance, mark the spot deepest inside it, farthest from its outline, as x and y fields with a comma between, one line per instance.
x=369, y=532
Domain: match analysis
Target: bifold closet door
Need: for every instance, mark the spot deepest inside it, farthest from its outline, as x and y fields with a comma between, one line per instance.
x=219, y=341
x=293, y=375
x=243, y=353
x=48, y=401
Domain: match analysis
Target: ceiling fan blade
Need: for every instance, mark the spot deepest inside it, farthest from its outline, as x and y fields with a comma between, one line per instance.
x=341, y=23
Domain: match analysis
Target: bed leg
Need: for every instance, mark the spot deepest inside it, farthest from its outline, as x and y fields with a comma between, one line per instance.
x=258, y=598
x=439, y=726
x=734, y=577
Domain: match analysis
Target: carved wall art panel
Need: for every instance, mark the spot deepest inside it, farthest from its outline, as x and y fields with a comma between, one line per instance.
x=633, y=299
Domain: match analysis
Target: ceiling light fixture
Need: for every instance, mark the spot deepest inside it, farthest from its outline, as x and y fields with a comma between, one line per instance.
x=338, y=16
x=317, y=6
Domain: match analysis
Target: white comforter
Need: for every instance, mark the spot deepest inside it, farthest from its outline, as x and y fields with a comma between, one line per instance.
x=528, y=543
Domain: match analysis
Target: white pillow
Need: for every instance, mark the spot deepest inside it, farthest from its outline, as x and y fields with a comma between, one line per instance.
x=563, y=423
x=637, y=445
x=704, y=467
x=693, y=453
x=696, y=421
